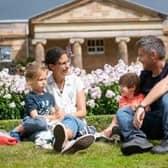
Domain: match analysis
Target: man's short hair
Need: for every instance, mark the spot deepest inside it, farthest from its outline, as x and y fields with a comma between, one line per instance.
x=150, y=43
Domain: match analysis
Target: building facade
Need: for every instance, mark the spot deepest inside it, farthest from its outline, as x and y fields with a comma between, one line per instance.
x=14, y=40
x=94, y=32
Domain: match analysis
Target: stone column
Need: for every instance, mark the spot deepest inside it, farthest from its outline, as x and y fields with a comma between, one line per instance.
x=123, y=49
x=77, y=52
x=39, y=49
x=165, y=41
x=165, y=34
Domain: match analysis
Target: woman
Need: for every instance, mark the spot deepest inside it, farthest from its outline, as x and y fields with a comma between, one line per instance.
x=69, y=97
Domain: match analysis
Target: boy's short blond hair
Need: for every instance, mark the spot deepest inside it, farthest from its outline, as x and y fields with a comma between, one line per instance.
x=33, y=70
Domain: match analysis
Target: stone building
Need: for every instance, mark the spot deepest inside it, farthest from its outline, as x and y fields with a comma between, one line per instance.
x=14, y=40
x=94, y=32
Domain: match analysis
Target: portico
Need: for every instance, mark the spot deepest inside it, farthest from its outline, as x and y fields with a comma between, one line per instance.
x=98, y=32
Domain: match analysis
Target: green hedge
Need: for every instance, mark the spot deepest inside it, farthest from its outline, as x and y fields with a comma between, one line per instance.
x=99, y=121
x=8, y=124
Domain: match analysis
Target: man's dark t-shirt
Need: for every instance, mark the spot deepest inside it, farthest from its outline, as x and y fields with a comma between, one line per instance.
x=147, y=82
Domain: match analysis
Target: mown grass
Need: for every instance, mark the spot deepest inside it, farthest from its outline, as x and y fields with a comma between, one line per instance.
x=99, y=155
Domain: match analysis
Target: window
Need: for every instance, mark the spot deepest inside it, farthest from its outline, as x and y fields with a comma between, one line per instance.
x=95, y=46
x=5, y=54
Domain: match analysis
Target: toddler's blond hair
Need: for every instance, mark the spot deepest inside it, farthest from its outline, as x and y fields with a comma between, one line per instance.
x=34, y=70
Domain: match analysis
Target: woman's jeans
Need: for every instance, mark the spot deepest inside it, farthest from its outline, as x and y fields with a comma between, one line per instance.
x=74, y=123
x=35, y=125
x=155, y=124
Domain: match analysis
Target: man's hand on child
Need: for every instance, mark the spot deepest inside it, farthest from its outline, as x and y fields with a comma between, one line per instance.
x=139, y=117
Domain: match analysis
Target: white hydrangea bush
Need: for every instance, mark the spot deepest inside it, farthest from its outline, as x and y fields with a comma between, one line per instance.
x=12, y=92
x=101, y=88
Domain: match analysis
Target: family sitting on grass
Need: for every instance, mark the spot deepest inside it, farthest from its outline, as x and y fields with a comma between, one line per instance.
x=56, y=104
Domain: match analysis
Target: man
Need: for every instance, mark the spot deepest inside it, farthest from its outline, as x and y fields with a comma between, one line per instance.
x=137, y=126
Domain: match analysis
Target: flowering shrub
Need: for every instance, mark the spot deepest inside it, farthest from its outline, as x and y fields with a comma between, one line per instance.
x=12, y=93
x=101, y=88
x=103, y=99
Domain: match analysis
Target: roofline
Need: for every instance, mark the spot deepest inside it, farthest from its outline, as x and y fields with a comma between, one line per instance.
x=130, y=3
x=15, y=21
x=50, y=9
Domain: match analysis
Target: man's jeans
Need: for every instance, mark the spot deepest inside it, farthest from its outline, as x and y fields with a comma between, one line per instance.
x=155, y=123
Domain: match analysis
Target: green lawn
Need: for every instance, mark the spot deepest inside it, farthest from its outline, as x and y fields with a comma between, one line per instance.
x=99, y=155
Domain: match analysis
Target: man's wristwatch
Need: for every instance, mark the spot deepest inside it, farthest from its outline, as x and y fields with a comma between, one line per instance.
x=141, y=106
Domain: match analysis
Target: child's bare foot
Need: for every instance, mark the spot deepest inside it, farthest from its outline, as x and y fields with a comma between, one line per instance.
x=112, y=136
x=107, y=132
x=110, y=130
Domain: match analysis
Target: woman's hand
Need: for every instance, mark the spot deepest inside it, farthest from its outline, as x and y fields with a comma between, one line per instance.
x=59, y=113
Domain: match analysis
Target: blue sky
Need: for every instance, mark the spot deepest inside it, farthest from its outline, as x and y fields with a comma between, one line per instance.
x=25, y=9
x=159, y=5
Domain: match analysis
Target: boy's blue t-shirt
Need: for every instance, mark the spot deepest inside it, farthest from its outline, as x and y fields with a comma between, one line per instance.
x=42, y=103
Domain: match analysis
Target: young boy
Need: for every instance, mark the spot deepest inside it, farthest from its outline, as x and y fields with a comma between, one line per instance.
x=130, y=96
x=39, y=104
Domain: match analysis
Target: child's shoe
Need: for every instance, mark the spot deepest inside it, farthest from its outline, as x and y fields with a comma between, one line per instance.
x=15, y=134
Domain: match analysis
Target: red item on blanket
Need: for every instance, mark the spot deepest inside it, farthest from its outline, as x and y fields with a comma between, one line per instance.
x=6, y=140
